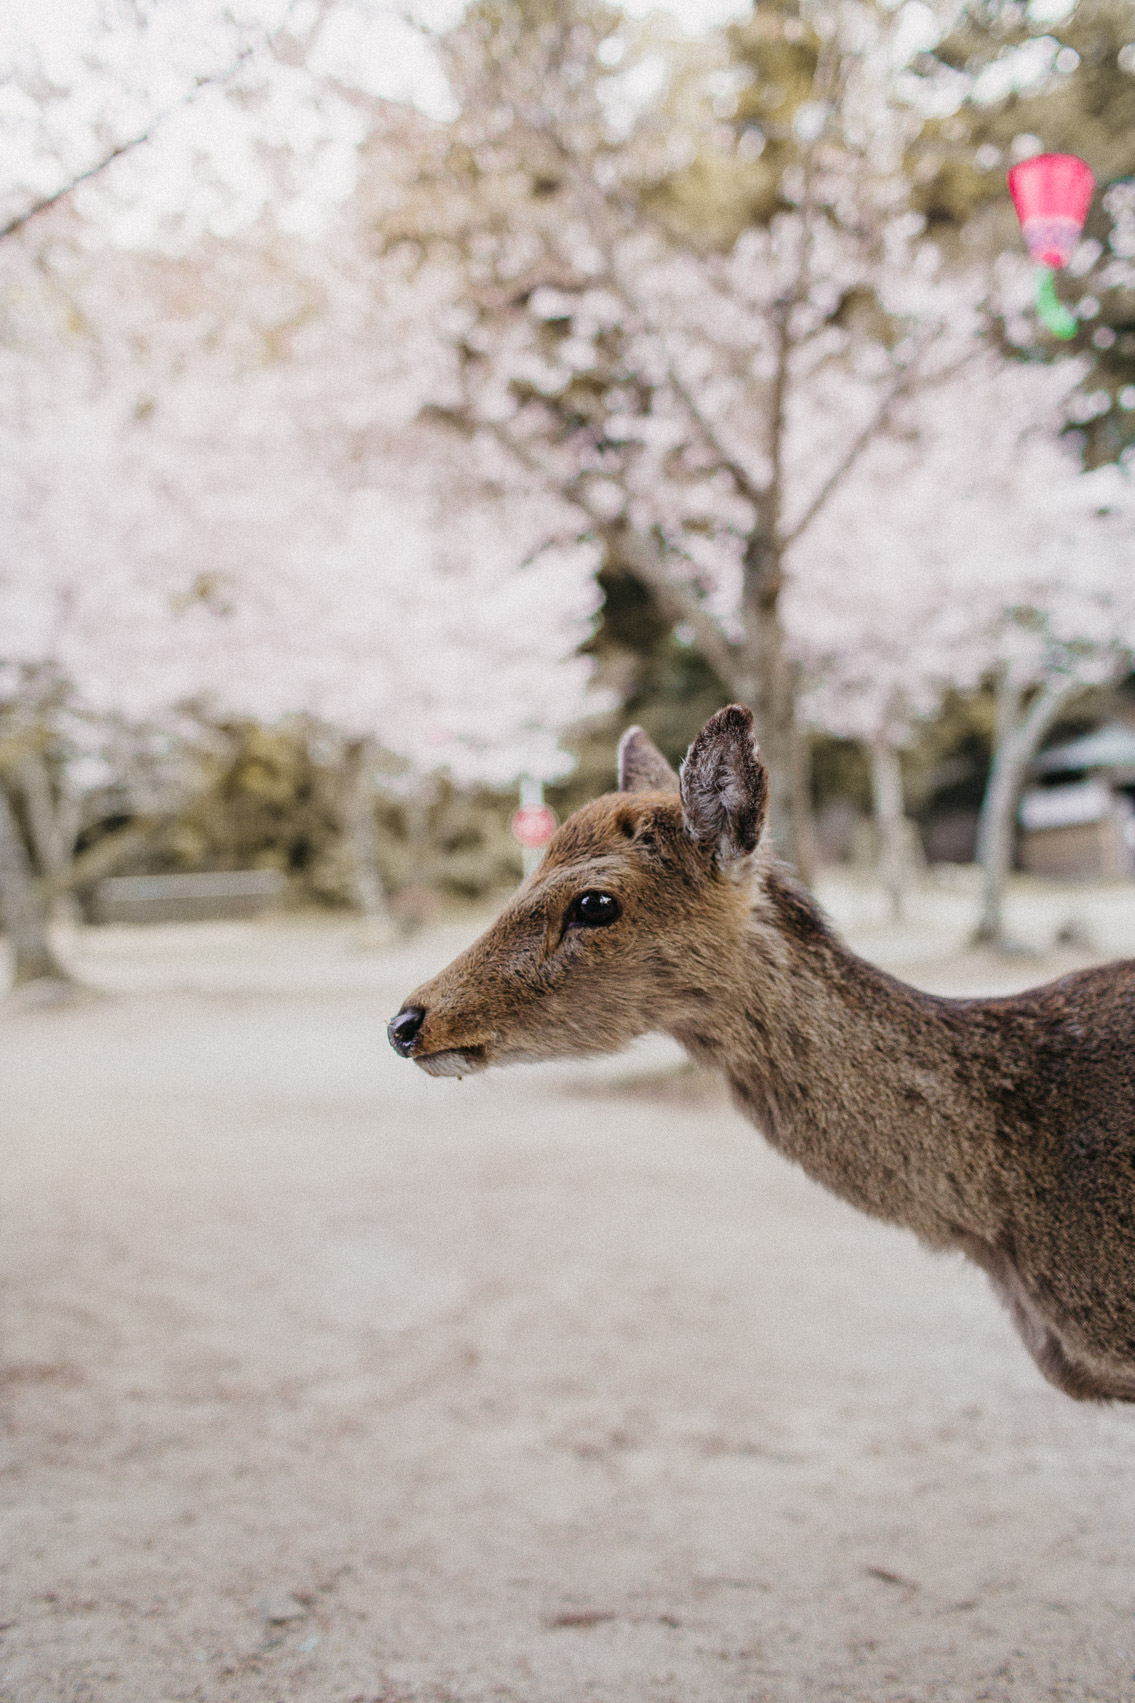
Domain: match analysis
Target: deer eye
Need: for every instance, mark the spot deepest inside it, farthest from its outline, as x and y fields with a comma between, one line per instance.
x=593, y=910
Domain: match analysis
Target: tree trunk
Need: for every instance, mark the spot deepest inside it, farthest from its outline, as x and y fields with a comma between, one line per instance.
x=768, y=684
x=22, y=909
x=807, y=847
x=52, y=837
x=1017, y=737
x=361, y=835
x=35, y=786
x=890, y=822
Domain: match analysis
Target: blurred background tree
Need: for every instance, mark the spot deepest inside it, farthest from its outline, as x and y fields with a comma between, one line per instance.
x=393, y=411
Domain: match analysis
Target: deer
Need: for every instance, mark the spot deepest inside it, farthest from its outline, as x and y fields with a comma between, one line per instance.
x=1000, y=1127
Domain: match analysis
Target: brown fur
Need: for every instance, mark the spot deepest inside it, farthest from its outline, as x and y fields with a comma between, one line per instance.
x=1001, y=1127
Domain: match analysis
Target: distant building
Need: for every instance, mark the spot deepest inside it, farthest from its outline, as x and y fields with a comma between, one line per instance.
x=1079, y=822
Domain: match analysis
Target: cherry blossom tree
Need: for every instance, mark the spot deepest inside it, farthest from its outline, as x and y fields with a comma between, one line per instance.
x=974, y=553
x=299, y=562
x=698, y=406
x=157, y=120
x=448, y=640
x=150, y=564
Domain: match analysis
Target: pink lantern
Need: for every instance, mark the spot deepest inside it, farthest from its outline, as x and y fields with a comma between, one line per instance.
x=1052, y=194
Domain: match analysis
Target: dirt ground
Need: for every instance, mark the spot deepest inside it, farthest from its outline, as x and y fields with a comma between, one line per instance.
x=325, y=1381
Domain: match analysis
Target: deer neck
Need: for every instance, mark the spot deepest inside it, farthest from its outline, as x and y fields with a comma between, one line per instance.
x=859, y=1078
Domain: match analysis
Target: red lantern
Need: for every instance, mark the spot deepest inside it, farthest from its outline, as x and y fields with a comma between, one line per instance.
x=1052, y=194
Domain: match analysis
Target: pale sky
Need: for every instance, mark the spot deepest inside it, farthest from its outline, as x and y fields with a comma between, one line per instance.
x=382, y=50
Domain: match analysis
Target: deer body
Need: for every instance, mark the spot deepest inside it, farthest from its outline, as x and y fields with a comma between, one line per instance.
x=1001, y=1127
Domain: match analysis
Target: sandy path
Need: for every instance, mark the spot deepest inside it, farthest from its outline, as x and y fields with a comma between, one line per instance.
x=325, y=1381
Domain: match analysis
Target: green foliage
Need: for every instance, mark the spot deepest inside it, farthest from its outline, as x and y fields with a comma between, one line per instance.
x=1085, y=106
x=840, y=773
x=946, y=767
x=733, y=179
x=451, y=841
x=267, y=802
x=271, y=800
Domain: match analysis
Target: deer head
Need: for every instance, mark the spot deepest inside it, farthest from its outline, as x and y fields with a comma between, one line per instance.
x=638, y=905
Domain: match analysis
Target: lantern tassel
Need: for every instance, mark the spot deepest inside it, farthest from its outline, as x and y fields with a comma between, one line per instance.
x=1051, y=311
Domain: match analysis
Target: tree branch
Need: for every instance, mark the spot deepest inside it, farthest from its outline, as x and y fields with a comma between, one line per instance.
x=778, y=399
x=741, y=477
x=208, y=80
x=852, y=454
x=862, y=441
x=1057, y=691
x=642, y=557
x=614, y=278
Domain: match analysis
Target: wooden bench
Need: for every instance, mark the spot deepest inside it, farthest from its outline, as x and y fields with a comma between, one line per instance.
x=205, y=897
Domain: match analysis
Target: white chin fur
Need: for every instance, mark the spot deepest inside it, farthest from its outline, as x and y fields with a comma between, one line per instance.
x=450, y=1063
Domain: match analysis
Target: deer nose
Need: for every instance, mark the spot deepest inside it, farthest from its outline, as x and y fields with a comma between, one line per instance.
x=403, y=1029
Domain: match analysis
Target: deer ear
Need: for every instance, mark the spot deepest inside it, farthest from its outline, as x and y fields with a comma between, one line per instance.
x=642, y=767
x=725, y=786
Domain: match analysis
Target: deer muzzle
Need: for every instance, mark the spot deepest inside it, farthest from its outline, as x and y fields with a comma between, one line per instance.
x=410, y=1036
